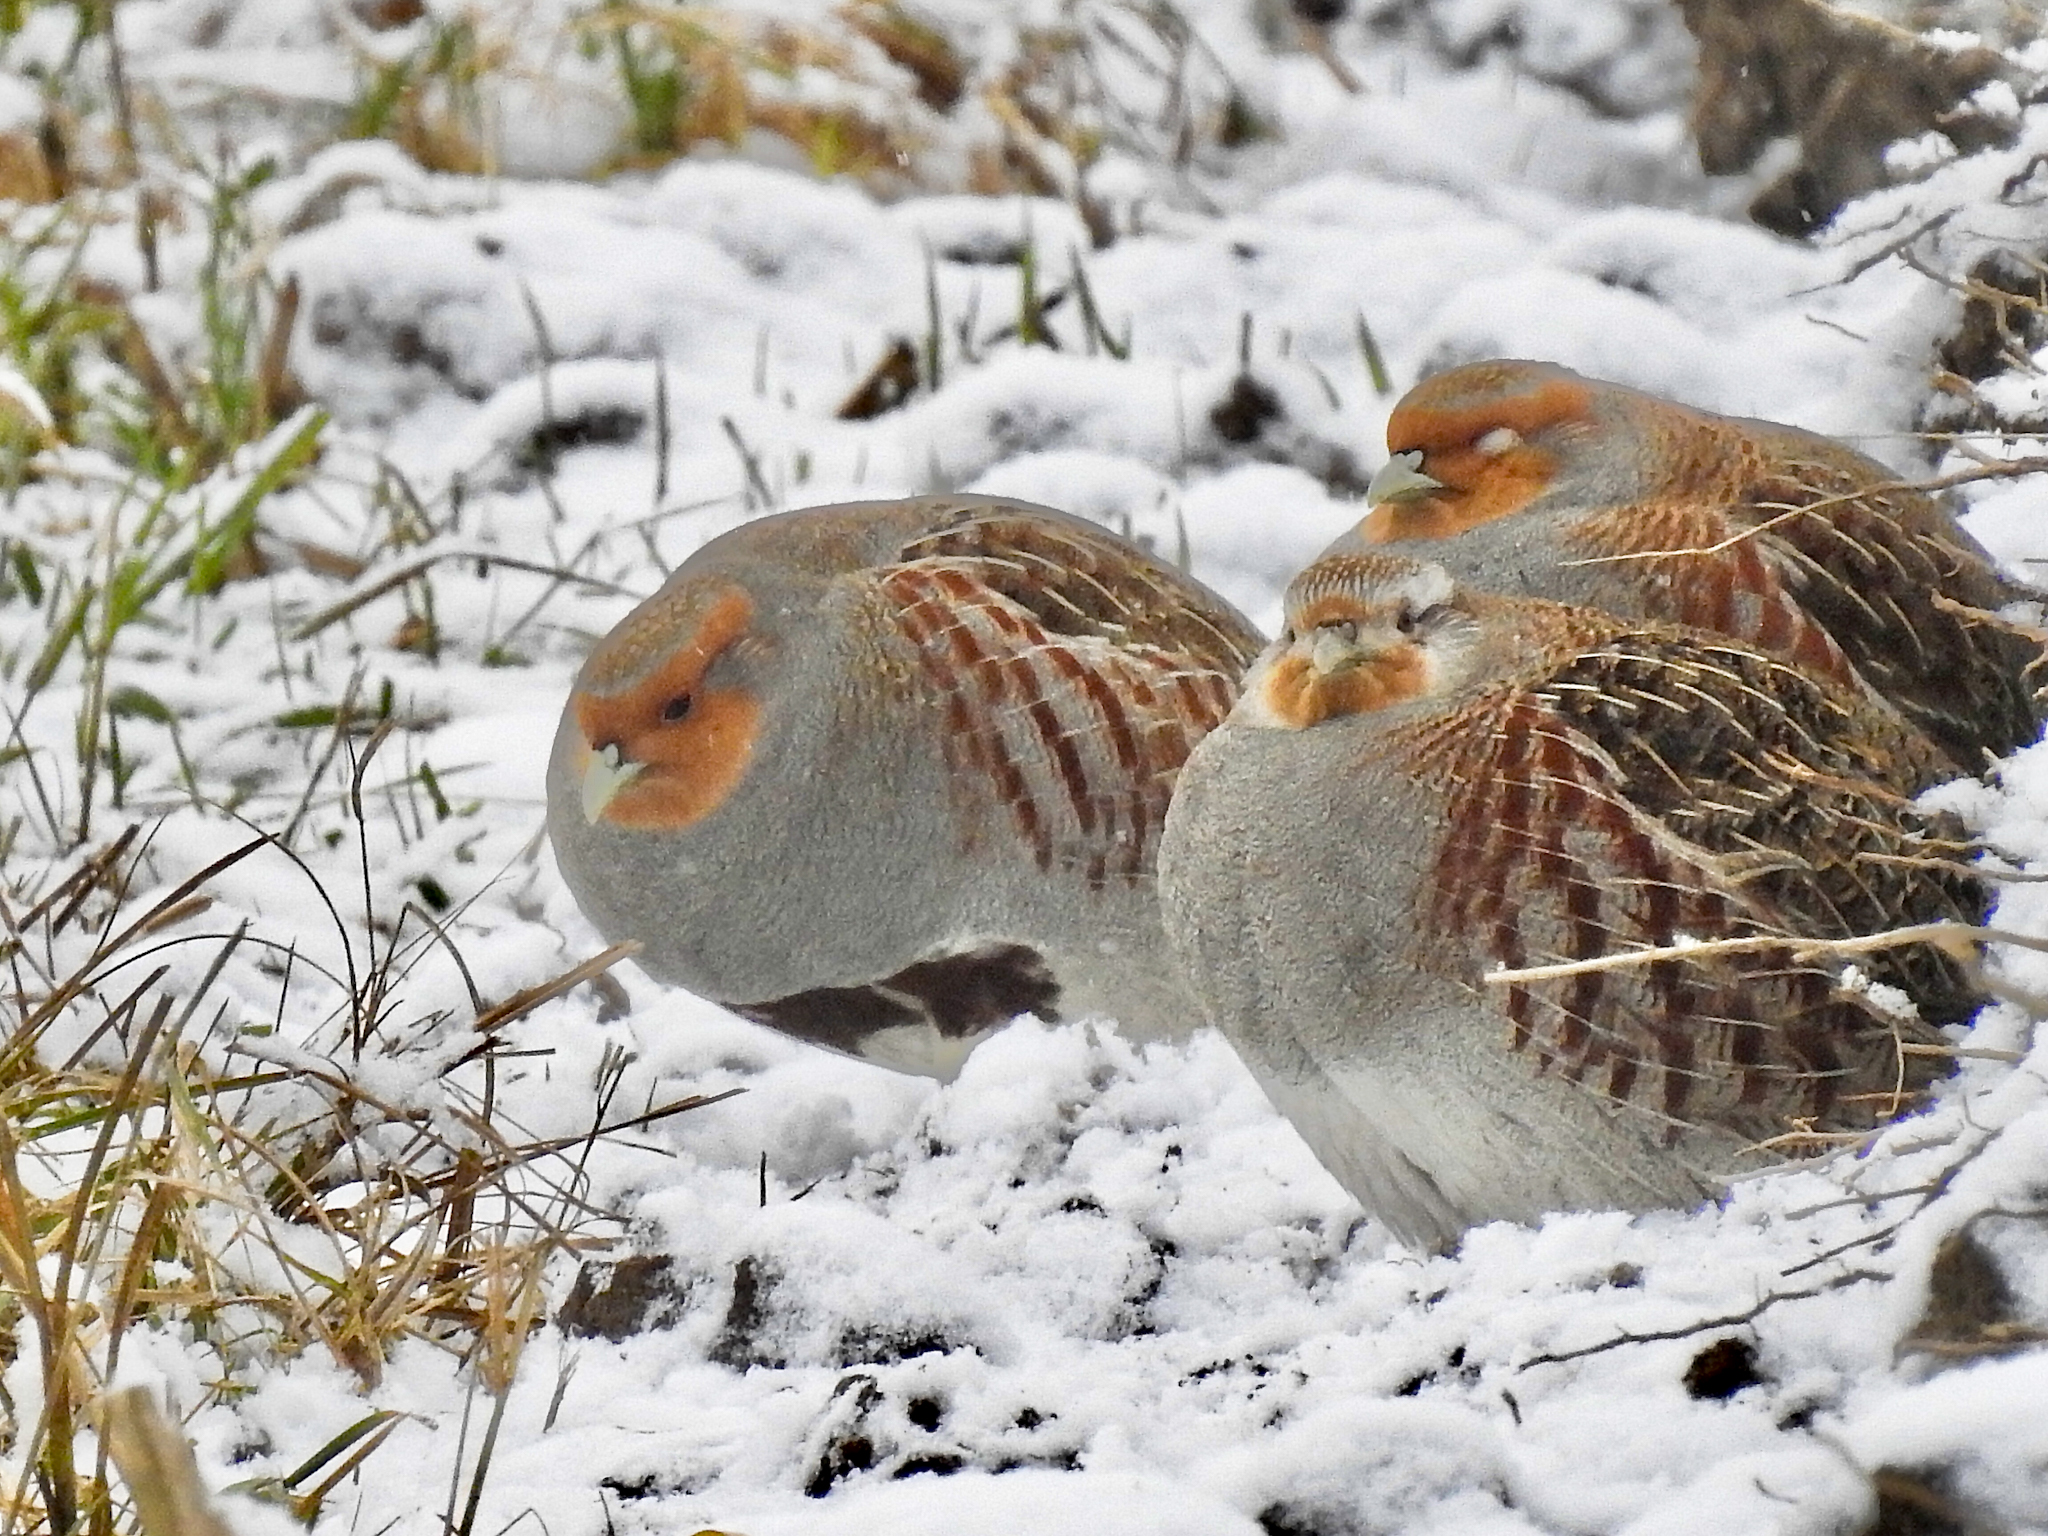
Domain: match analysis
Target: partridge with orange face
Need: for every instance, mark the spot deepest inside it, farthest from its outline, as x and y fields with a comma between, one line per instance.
x=886, y=775
x=1526, y=477
x=1422, y=785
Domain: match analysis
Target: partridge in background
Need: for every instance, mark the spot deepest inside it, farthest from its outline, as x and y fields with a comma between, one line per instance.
x=1525, y=477
x=886, y=775
x=1422, y=784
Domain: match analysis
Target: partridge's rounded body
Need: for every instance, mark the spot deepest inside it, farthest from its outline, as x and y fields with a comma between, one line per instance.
x=886, y=775
x=1525, y=477
x=1423, y=785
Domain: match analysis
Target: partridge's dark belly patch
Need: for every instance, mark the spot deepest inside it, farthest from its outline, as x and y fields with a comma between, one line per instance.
x=955, y=996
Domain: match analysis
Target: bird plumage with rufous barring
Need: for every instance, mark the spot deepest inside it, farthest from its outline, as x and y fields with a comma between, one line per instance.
x=886, y=775
x=1513, y=906
x=1526, y=477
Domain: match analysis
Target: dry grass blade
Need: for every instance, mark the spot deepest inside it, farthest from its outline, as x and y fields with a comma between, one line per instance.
x=412, y=570
x=156, y=1462
x=277, y=392
x=1316, y=40
x=30, y=1027
x=524, y=1001
x=80, y=883
x=929, y=56
x=54, y=1248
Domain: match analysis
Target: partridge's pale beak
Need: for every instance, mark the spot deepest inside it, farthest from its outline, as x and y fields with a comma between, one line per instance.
x=1400, y=478
x=603, y=777
x=1327, y=653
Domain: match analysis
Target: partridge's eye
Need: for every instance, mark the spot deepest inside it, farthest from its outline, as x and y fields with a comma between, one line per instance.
x=1413, y=619
x=675, y=709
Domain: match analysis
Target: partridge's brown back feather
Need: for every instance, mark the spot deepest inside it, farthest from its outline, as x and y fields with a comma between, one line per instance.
x=1082, y=586
x=1653, y=790
x=1875, y=568
x=1711, y=573
x=1074, y=682
x=1771, y=769
x=1868, y=575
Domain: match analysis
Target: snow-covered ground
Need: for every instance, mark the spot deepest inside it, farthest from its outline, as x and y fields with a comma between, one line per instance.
x=1084, y=1287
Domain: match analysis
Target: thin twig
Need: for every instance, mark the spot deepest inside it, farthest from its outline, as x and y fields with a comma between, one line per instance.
x=758, y=493
x=1706, y=1324
x=416, y=568
x=1959, y=940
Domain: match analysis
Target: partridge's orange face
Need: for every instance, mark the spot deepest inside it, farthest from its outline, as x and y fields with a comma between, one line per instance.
x=1363, y=632
x=1469, y=445
x=662, y=747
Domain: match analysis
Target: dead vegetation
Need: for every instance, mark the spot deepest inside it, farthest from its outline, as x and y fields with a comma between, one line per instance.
x=162, y=1154
x=1845, y=86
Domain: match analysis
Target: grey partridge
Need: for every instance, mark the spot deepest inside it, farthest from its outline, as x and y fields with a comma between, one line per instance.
x=1526, y=477
x=1422, y=784
x=886, y=775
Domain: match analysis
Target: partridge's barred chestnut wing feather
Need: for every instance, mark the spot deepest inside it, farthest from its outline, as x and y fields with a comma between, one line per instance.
x=1908, y=598
x=1813, y=563
x=1709, y=572
x=1656, y=789
x=1074, y=685
x=1080, y=581
x=1525, y=476
x=886, y=775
